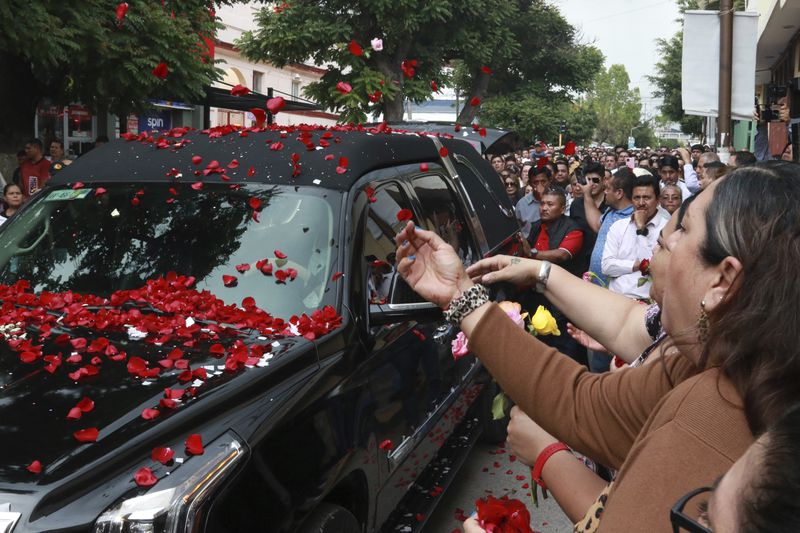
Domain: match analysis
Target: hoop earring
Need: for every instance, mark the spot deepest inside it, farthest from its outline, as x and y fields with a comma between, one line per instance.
x=702, y=324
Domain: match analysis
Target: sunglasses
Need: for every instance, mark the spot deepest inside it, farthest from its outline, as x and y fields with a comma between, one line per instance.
x=510, y=184
x=682, y=522
x=593, y=180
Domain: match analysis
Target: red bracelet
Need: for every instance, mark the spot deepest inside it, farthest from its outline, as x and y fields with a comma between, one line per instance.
x=536, y=471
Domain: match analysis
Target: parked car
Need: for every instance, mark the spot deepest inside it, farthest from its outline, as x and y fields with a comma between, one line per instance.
x=205, y=332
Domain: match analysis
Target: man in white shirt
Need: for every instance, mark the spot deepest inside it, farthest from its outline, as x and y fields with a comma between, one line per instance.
x=631, y=240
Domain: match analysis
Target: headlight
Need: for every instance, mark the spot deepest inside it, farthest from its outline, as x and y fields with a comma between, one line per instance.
x=174, y=503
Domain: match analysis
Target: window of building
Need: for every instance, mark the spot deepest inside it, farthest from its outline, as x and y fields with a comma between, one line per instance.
x=295, y=89
x=257, y=78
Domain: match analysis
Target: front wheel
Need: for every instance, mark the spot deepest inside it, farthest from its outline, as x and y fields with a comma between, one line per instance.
x=330, y=518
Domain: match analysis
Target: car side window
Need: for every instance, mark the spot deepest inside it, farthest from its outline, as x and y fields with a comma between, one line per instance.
x=443, y=215
x=379, y=246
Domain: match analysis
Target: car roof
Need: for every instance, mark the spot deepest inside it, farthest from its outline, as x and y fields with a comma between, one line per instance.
x=318, y=151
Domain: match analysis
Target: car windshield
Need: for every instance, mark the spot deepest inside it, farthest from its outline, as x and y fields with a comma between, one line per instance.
x=115, y=236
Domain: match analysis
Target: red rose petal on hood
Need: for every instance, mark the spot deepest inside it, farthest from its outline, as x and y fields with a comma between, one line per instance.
x=194, y=444
x=341, y=170
x=423, y=167
x=74, y=414
x=149, y=414
x=343, y=87
x=244, y=267
x=279, y=254
x=260, y=114
x=196, y=159
x=161, y=71
x=276, y=146
x=239, y=90
x=405, y=214
x=475, y=102
x=162, y=454
x=443, y=152
x=86, y=404
x=144, y=477
x=251, y=172
x=276, y=104
x=355, y=49
x=329, y=157
x=386, y=445
x=35, y=467
x=233, y=164
x=122, y=9
x=86, y=435
x=336, y=276
x=229, y=281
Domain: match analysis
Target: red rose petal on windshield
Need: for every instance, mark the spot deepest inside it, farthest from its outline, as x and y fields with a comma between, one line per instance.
x=194, y=444
x=355, y=49
x=144, y=477
x=197, y=185
x=280, y=255
x=234, y=163
x=161, y=71
x=86, y=435
x=239, y=90
x=99, y=191
x=386, y=445
x=475, y=102
x=78, y=185
x=86, y=404
x=149, y=414
x=229, y=281
x=35, y=467
x=74, y=414
x=486, y=70
x=251, y=172
x=280, y=276
x=276, y=146
x=276, y=104
x=336, y=276
x=162, y=454
x=196, y=159
x=244, y=267
x=443, y=152
x=404, y=214
x=423, y=167
x=122, y=9
x=343, y=87
x=255, y=203
x=260, y=115
x=266, y=269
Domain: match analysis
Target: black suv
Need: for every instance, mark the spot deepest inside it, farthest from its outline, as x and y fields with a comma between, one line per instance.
x=204, y=331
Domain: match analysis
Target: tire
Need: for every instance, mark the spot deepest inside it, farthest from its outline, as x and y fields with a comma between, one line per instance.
x=330, y=518
x=494, y=431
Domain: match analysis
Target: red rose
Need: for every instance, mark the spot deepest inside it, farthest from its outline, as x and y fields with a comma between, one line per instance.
x=503, y=515
x=644, y=267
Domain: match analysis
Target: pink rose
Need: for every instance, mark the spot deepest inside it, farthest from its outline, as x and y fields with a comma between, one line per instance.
x=460, y=345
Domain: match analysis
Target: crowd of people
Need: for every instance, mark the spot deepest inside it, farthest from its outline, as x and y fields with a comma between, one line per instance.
x=676, y=266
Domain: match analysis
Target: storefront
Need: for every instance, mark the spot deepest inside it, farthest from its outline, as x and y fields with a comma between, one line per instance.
x=74, y=124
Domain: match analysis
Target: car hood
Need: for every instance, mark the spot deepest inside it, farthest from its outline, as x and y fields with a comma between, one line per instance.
x=34, y=404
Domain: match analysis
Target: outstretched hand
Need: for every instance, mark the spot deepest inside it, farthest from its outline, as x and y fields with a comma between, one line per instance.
x=521, y=272
x=584, y=339
x=430, y=266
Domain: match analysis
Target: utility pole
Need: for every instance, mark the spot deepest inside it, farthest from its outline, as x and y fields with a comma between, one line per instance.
x=725, y=77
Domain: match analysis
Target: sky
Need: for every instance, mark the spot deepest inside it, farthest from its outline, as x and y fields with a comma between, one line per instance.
x=625, y=31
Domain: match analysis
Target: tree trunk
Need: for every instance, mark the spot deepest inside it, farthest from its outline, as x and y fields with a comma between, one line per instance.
x=20, y=92
x=393, y=109
x=480, y=85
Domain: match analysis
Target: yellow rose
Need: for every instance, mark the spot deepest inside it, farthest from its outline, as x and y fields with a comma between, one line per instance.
x=543, y=322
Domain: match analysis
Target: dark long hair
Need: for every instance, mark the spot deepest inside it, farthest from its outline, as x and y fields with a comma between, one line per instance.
x=753, y=334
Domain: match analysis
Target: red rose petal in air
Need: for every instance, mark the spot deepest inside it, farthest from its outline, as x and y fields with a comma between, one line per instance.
x=196, y=159
x=404, y=214
x=475, y=102
x=276, y=104
x=279, y=254
x=443, y=152
x=74, y=414
x=486, y=70
x=386, y=445
x=35, y=467
x=423, y=167
x=194, y=444
x=86, y=435
x=355, y=49
x=239, y=90
x=244, y=267
x=144, y=477
x=343, y=87
x=260, y=114
x=149, y=414
x=86, y=404
x=229, y=281
x=162, y=454
x=336, y=276
x=122, y=9
x=161, y=71
x=434, y=86
x=251, y=172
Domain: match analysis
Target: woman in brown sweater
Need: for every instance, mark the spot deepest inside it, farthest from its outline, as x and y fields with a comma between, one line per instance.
x=666, y=428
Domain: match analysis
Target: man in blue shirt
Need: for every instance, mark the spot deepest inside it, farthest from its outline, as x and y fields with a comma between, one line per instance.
x=619, y=190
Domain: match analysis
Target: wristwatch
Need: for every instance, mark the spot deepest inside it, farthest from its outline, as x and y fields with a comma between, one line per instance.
x=544, y=275
x=534, y=252
x=644, y=231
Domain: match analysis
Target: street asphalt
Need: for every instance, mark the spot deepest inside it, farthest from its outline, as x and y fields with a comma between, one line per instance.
x=492, y=470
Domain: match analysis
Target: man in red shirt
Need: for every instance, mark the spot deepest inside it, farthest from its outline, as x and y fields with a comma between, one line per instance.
x=35, y=171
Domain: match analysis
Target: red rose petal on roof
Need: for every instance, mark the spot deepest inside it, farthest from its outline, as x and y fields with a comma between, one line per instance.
x=279, y=254
x=233, y=164
x=343, y=87
x=276, y=146
x=292, y=273
x=194, y=444
x=229, y=281
x=99, y=191
x=475, y=101
x=149, y=414
x=423, y=167
x=486, y=70
x=86, y=435
x=35, y=467
x=276, y=104
x=251, y=172
x=386, y=445
x=196, y=159
x=197, y=185
x=122, y=9
x=162, y=454
x=244, y=267
x=443, y=151
x=74, y=414
x=336, y=276
x=161, y=71
x=86, y=404
x=405, y=214
x=239, y=90
x=355, y=49
x=280, y=276
x=144, y=477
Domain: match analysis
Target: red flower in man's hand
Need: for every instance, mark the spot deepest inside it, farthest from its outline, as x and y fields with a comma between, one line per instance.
x=644, y=267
